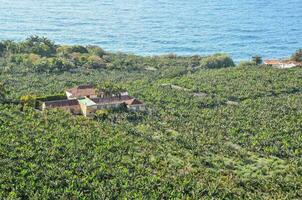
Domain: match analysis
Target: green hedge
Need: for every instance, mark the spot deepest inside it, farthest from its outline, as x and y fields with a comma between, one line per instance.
x=52, y=97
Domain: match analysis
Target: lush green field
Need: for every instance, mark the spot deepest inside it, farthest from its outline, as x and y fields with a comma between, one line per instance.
x=210, y=133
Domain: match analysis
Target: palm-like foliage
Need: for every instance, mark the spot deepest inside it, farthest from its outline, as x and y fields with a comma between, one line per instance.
x=108, y=89
x=191, y=144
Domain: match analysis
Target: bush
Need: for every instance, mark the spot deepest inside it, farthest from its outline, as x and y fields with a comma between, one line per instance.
x=52, y=64
x=78, y=49
x=217, y=61
x=64, y=50
x=33, y=58
x=95, y=62
x=102, y=114
x=95, y=50
x=60, y=64
x=28, y=100
x=52, y=97
x=78, y=59
x=17, y=58
x=246, y=64
x=41, y=65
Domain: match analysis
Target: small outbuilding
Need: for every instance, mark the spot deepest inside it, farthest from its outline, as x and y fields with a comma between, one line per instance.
x=90, y=106
x=81, y=92
x=71, y=105
x=282, y=64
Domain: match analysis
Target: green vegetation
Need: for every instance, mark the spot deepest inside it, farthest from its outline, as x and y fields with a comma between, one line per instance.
x=110, y=89
x=28, y=100
x=37, y=54
x=213, y=131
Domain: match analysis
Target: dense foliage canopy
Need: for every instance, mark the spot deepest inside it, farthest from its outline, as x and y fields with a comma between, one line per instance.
x=211, y=132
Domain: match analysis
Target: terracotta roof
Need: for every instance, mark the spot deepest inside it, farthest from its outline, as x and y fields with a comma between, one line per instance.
x=82, y=90
x=279, y=62
x=134, y=102
x=107, y=100
x=123, y=99
x=62, y=103
x=272, y=62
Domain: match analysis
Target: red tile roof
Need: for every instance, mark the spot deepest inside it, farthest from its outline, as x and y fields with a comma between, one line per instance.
x=134, y=102
x=111, y=99
x=82, y=91
x=123, y=99
x=272, y=62
x=61, y=103
x=280, y=62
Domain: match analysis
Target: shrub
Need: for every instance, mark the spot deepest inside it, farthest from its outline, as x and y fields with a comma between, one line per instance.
x=95, y=62
x=33, y=58
x=78, y=49
x=28, y=100
x=17, y=58
x=41, y=65
x=52, y=97
x=246, y=64
x=60, y=64
x=95, y=50
x=64, y=50
x=52, y=64
x=78, y=59
x=217, y=61
x=102, y=114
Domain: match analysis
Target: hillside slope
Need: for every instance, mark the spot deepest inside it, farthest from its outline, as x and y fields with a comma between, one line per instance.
x=232, y=133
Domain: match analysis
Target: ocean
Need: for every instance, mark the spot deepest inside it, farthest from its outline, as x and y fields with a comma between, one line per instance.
x=242, y=28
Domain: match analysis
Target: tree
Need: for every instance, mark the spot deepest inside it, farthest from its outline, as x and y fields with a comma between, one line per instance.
x=38, y=45
x=297, y=56
x=28, y=100
x=257, y=60
x=108, y=89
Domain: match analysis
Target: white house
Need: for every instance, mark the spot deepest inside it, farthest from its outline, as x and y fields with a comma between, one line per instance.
x=282, y=64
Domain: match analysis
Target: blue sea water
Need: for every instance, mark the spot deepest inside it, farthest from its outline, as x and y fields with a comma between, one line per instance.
x=242, y=28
